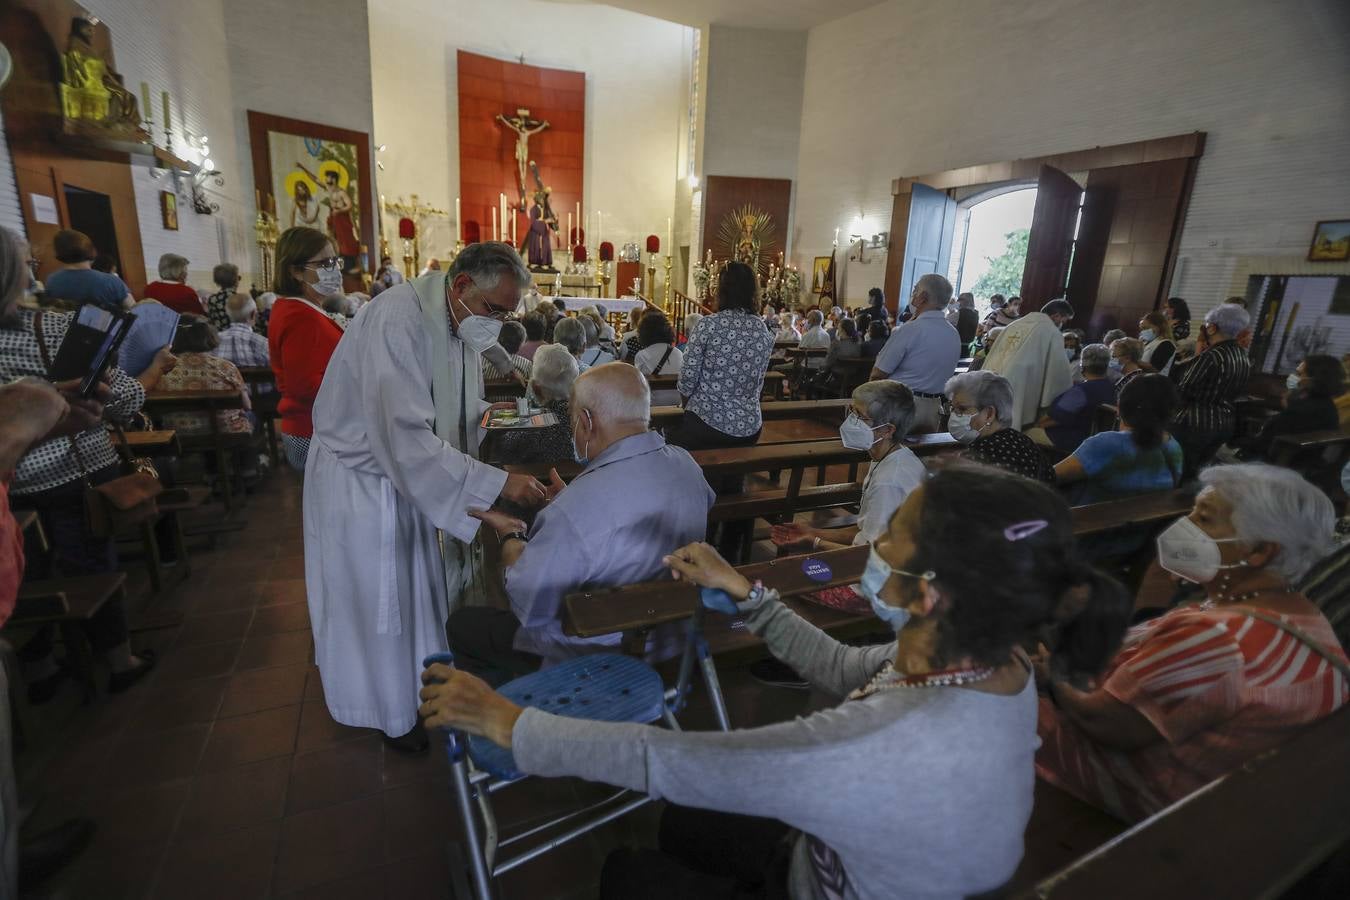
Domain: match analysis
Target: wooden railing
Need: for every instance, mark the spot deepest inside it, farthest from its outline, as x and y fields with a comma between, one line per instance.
x=680, y=308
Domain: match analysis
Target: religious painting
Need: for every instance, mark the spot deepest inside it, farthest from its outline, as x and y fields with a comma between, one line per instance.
x=820, y=273
x=1331, y=241
x=168, y=210
x=316, y=176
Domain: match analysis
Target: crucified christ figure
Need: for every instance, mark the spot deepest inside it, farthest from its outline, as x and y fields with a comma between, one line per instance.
x=523, y=126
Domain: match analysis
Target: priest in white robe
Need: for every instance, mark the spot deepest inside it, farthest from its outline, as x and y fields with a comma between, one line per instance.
x=1030, y=354
x=392, y=461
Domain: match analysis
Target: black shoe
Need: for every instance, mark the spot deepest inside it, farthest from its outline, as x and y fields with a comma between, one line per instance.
x=43, y=855
x=121, y=681
x=777, y=674
x=414, y=741
x=44, y=689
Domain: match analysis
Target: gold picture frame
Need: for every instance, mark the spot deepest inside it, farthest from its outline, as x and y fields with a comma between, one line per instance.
x=168, y=210
x=1330, y=242
x=820, y=271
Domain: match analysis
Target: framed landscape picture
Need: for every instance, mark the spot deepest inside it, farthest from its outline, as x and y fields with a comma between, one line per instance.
x=1331, y=241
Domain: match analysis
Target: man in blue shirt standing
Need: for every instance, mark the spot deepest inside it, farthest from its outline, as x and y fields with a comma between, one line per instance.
x=922, y=353
x=77, y=282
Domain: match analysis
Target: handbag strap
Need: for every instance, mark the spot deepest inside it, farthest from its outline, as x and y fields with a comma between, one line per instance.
x=669, y=349
x=1301, y=636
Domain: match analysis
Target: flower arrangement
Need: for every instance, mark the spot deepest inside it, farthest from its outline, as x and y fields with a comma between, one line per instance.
x=702, y=275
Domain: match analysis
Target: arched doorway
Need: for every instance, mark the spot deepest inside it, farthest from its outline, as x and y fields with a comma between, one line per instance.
x=989, y=244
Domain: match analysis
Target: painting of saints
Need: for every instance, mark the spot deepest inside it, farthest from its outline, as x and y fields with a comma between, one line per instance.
x=304, y=206
x=342, y=226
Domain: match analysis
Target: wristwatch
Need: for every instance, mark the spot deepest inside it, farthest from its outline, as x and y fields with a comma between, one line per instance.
x=516, y=536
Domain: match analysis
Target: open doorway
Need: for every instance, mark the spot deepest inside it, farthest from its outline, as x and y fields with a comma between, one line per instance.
x=91, y=212
x=990, y=242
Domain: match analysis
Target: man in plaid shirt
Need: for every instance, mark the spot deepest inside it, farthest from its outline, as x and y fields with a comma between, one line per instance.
x=239, y=343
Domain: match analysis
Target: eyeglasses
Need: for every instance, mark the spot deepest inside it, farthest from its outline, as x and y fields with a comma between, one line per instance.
x=330, y=262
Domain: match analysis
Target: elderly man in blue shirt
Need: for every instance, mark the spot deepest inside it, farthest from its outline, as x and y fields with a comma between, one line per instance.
x=922, y=353
x=582, y=538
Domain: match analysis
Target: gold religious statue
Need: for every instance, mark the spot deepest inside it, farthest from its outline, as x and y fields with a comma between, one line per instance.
x=90, y=90
x=744, y=233
x=523, y=126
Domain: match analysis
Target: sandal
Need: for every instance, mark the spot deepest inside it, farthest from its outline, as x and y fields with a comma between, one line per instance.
x=121, y=681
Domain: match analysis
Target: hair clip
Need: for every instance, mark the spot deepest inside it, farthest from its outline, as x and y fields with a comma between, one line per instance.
x=1025, y=529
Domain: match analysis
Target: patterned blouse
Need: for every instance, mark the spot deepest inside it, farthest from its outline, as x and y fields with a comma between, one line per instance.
x=1209, y=385
x=51, y=463
x=215, y=310
x=1012, y=450
x=204, y=372
x=1220, y=686
x=723, y=371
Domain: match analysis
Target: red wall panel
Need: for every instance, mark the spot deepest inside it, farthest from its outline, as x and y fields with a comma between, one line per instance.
x=487, y=163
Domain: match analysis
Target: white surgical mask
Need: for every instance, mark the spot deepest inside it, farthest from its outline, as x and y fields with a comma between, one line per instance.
x=329, y=283
x=478, y=332
x=958, y=426
x=1116, y=363
x=582, y=456
x=1068, y=353
x=874, y=578
x=1187, y=552
x=1292, y=382
x=1146, y=335
x=857, y=434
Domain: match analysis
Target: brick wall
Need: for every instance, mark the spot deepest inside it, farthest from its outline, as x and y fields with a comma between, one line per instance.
x=909, y=87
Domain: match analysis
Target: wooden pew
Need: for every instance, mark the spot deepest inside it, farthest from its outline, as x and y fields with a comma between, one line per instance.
x=219, y=444
x=1318, y=455
x=771, y=411
x=650, y=604
x=1287, y=807
x=775, y=384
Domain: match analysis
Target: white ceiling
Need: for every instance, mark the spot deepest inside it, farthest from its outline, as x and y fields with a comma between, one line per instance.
x=788, y=15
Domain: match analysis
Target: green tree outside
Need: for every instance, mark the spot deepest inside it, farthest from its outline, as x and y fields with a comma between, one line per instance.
x=1005, y=271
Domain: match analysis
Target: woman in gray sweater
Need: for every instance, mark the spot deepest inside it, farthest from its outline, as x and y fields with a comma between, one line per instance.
x=919, y=784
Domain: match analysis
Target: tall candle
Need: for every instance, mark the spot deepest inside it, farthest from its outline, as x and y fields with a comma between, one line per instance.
x=164, y=95
x=495, y=235
x=459, y=231
x=569, y=231
x=257, y=199
x=145, y=99
x=514, y=243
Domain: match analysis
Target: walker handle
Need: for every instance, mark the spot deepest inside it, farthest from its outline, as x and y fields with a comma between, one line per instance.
x=453, y=743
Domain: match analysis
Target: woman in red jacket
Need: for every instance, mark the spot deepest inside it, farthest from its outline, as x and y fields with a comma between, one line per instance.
x=300, y=335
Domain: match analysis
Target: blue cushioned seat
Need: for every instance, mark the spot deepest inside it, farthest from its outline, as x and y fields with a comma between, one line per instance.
x=605, y=687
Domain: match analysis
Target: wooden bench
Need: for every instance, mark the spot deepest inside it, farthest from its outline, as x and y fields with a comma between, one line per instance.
x=1318, y=455
x=217, y=443
x=1142, y=509
x=1251, y=833
x=775, y=384
x=832, y=411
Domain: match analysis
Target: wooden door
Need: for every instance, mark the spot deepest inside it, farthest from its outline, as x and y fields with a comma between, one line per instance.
x=1052, y=230
x=928, y=239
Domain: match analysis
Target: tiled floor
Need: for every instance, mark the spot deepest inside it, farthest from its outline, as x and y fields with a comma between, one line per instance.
x=223, y=776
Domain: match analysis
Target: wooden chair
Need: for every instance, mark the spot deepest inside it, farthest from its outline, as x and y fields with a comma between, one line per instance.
x=263, y=393
x=68, y=603
x=220, y=445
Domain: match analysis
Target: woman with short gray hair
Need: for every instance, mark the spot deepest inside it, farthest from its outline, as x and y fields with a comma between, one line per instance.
x=877, y=424
x=551, y=377
x=594, y=354
x=1200, y=690
x=571, y=334
x=981, y=417
x=1209, y=385
x=172, y=290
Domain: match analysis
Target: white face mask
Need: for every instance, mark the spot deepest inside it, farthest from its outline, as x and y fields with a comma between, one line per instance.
x=958, y=426
x=1068, y=353
x=478, y=332
x=857, y=434
x=329, y=283
x=1292, y=382
x=1146, y=335
x=1187, y=552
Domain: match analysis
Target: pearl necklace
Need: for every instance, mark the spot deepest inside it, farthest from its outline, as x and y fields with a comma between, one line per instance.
x=889, y=679
x=1225, y=597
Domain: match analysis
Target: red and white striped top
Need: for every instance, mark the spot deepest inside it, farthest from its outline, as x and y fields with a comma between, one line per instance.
x=1219, y=685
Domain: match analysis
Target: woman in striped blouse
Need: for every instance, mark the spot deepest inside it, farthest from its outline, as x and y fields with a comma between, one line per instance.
x=1209, y=383
x=1198, y=691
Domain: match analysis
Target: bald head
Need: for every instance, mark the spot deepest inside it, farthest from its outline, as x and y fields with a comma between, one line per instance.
x=616, y=394
x=241, y=308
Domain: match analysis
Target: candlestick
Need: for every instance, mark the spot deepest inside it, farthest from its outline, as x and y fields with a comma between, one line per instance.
x=670, y=235
x=514, y=243
x=599, y=227
x=164, y=95
x=495, y=235
x=459, y=229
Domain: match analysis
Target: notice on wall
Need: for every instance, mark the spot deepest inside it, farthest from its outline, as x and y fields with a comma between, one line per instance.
x=44, y=209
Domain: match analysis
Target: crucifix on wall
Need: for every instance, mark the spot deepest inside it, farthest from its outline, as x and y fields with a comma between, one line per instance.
x=523, y=126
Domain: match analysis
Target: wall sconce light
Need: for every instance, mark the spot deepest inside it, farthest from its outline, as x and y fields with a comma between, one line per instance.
x=191, y=185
